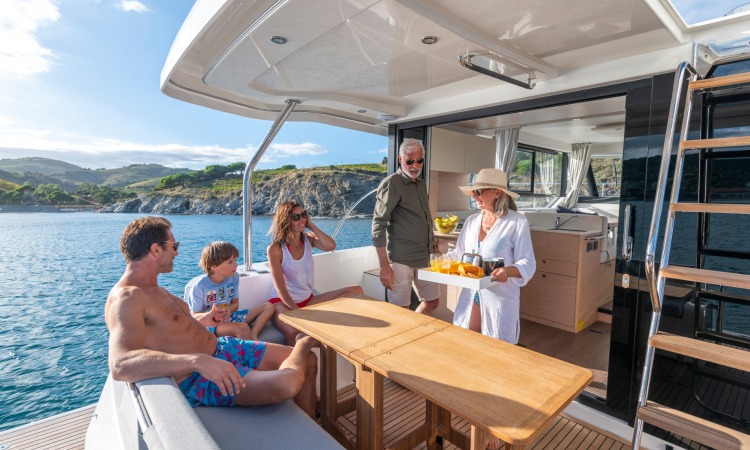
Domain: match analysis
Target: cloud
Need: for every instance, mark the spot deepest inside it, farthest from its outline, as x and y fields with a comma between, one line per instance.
x=19, y=142
x=289, y=150
x=132, y=5
x=382, y=151
x=21, y=54
x=16, y=141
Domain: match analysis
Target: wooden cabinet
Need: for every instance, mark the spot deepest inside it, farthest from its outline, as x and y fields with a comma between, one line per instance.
x=451, y=151
x=570, y=283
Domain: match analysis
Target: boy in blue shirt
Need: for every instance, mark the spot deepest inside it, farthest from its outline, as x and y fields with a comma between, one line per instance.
x=214, y=296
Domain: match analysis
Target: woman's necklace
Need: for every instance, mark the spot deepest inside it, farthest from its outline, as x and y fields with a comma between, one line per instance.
x=486, y=227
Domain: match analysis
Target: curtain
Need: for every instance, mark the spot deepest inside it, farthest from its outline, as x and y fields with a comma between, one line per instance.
x=506, y=142
x=546, y=168
x=580, y=159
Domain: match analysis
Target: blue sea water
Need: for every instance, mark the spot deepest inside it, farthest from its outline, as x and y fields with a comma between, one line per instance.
x=56, y=270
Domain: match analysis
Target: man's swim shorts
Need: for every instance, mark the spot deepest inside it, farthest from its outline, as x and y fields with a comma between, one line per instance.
x=244, y=355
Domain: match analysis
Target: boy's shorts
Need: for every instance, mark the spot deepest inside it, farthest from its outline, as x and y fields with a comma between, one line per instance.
x=238, y=316
x=244, y=355
x=405, y=277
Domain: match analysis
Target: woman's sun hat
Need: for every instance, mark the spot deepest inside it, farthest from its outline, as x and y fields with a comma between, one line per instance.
x=489, y=178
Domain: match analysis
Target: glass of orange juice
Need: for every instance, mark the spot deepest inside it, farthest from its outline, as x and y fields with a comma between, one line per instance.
x=436, y=260
x=447, y=262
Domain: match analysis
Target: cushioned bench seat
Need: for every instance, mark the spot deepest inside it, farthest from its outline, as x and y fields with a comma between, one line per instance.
x=174, y=424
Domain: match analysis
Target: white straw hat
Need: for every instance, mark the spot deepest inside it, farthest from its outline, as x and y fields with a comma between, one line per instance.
x=489, y=178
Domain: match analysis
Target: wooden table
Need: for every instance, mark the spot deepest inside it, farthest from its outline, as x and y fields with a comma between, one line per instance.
x=508, y=391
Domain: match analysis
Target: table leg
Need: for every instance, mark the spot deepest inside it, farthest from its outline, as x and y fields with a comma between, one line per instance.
x=328, y=398
x=329, y=410
x=369, y=409
x=444, y=427
x=478, y=438
x=434, y=424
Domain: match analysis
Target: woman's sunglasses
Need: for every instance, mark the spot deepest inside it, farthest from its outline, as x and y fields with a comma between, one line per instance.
x=409, y=162
x=478, y=192
x=297, y=217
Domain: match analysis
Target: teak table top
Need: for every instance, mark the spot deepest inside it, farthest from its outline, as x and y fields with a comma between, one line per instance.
x=512, y=392
x=508, y=390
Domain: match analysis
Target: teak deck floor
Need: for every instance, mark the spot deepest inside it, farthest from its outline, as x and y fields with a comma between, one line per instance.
x=62, y=432
x=404, y=410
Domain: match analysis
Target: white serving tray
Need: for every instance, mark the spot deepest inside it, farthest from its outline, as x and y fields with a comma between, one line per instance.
x=455, y=280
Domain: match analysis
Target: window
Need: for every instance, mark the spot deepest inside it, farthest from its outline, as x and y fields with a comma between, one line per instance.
x=693, y=13
x=537, y=176
x=603, y=179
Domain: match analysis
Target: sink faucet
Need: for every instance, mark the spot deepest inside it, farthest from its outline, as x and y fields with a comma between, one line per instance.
x=558, y=224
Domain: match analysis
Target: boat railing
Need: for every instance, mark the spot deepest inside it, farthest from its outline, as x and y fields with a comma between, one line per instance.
x=247, y=179
x=349, y=212
x=656, y=286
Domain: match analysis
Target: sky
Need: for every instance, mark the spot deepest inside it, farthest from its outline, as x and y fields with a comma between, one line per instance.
x=79, y=82
x=696, y=11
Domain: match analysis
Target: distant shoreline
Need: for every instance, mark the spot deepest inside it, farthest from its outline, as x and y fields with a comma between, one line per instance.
x=55, y=209
x=44, y=208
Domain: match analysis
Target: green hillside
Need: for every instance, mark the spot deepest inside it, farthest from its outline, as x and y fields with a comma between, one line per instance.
x=35, y=179
x=120, y=177
x=44, y=166
x=69, y=177
x=7, y=185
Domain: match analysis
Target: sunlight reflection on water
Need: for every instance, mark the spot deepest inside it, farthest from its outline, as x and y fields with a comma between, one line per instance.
x=55, y=272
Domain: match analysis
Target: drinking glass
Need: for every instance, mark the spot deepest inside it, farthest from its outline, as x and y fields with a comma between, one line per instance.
x=436, y=260
x=447, y=263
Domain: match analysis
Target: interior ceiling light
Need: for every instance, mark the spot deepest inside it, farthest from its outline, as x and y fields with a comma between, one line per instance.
x=386, y=117
x=361, y=111
x=466, y=62
x=279, y=40
x=429, y=40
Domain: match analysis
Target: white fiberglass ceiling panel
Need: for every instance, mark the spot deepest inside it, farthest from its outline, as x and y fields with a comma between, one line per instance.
x=548, y=27
x=345, y=50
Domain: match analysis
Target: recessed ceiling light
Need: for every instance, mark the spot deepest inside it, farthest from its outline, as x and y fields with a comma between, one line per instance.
x=278, y=40
x=386, y=117
x=361, y=111
x=575, y=119
x=429, y=40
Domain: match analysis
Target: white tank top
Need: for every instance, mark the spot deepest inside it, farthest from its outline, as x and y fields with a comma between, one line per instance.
x=298, y=274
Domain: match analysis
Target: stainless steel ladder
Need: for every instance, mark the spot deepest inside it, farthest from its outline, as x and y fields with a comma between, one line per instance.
x=672, y=420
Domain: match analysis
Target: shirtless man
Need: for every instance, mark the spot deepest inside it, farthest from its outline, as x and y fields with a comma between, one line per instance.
x=153, y=334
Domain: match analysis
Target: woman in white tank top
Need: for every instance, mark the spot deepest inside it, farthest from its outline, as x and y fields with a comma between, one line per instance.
x=291, y=262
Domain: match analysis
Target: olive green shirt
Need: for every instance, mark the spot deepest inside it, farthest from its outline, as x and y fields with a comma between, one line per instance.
x=402, y=221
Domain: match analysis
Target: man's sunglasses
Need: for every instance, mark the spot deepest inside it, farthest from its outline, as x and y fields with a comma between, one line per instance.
x=297, y=217
x=409, y=162
x=175, y=245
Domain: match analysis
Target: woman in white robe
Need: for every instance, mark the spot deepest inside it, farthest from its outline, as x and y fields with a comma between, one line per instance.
x=497, y=231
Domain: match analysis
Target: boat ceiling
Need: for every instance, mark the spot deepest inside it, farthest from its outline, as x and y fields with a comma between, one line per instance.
x=362, y=63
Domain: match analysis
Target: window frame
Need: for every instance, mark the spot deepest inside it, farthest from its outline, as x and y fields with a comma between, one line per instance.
x=533, y=149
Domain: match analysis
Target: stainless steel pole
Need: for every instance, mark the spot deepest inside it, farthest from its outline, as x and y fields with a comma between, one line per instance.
x=247, y=188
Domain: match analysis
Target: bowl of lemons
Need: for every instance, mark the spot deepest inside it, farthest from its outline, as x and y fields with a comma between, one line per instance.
x=446, y=224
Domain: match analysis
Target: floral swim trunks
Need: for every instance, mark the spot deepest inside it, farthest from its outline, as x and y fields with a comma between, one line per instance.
x=244, y=355
x=238, y=316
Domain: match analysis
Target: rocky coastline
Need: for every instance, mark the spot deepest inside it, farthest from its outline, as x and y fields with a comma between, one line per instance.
x=321, y=195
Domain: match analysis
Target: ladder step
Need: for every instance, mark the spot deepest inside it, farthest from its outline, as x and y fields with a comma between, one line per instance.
x=726, y=208
x=736, y=141
x=725, y=81
x=705, y=351
x=706, y=276
x=693, y=428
